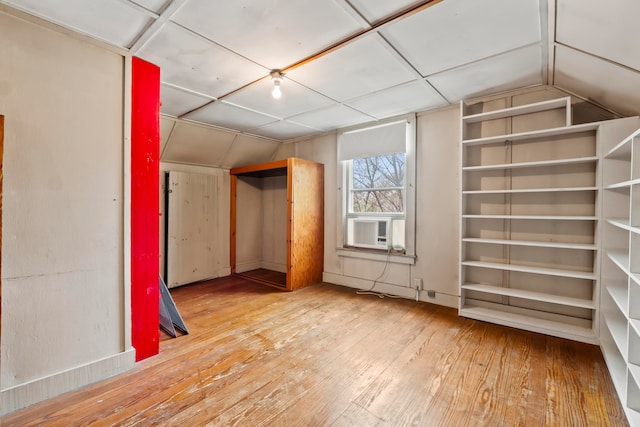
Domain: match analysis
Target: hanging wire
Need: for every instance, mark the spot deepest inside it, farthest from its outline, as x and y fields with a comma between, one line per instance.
x=370, y=291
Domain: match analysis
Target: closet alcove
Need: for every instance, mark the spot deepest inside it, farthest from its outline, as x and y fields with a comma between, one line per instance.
x=277, y=222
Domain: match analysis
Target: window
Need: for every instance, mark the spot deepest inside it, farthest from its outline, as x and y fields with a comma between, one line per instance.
x=377, y=197
x=377, y=184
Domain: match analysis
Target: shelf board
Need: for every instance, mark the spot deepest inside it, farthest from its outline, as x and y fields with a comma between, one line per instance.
x=622, y=150
x=536, y=217
x=620, y=297
x=532, y=134
x=531, y=190
x=635, y=324
x=558, y=245
x=534, y=270
x=519, y=110
x=541, y=163
x=530, y=295
x=622, y=184
x=635, y=372
x=615, y=362
x=623, y=223
x=530, y=323
x=620, y=257
x=618, y=332
x=633, y=416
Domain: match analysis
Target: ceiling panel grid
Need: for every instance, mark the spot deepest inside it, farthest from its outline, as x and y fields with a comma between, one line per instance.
x=348, y=62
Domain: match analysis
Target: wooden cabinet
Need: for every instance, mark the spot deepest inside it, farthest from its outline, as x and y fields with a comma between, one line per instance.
x=277, y=222
x=620, y=296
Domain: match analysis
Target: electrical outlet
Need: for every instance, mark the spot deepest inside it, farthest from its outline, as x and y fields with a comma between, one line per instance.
x=417, y=284
x=431, y=294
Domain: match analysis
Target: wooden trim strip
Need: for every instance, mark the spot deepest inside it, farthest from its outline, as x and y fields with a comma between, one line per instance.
x=241, y=170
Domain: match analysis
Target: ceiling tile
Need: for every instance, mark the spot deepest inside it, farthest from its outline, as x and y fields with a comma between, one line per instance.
x=456, y=32
x=375, y=10
x=156, y=6
x=363, y=66
x=333, y=117
x=408, y=97
x=229, y=116
x=606, y=83
x=295, y=99
x=196, y=144
x=248, y=150
x=274, y=33
x=513, y=70
x=176, y=102
x=608, y=29
x=192, y=62
x=115, y=22
x=282, y=130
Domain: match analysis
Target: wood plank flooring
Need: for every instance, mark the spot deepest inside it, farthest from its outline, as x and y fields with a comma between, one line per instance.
x=324, y=356
x=269, y=277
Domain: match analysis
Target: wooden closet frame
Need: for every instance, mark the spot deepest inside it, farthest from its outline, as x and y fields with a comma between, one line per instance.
x=305, y=217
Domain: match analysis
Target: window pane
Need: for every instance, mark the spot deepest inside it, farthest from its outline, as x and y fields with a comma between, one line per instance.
x=378, y=201
x=379, y=172
x=378, y=184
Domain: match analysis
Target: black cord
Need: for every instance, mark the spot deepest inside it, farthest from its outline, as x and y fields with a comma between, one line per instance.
x=370, y=291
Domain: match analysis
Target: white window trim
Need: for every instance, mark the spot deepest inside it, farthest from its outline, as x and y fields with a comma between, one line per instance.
x=410, y=199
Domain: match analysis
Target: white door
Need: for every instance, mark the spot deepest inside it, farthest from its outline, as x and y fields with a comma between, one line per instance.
x=192, y=253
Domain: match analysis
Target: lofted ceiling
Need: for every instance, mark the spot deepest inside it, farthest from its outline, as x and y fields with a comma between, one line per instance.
x=347, y=62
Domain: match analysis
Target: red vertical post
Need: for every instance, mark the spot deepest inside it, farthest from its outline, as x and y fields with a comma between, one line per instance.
x=145, y=169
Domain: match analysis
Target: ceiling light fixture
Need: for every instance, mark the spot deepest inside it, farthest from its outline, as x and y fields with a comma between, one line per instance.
x=276, y=76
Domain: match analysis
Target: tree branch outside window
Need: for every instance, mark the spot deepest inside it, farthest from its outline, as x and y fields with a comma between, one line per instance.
x=378, y=184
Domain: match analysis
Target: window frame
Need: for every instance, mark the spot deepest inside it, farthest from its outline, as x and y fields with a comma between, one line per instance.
x=345, y=172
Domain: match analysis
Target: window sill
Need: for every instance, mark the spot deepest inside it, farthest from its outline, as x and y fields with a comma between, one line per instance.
x=395, y=258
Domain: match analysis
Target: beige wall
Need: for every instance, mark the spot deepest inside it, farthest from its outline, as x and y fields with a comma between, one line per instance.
x=437, y=205
x=437, y=209
x=261, y=225
x=274, y=223
x=64, y=297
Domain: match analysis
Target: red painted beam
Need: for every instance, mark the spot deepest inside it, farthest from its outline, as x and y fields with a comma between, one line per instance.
x=145, y=165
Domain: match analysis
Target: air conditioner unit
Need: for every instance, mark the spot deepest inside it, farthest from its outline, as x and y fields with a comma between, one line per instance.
x=372, y=233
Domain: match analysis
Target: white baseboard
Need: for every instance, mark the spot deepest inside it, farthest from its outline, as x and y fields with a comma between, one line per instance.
x=248, y=266
x=399, y=291
x=35, y=391
x=281, y=268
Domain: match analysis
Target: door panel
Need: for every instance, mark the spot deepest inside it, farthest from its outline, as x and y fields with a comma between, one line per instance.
x=192, y=249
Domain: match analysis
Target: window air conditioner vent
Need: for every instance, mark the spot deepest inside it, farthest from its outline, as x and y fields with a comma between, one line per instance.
x=372, y=233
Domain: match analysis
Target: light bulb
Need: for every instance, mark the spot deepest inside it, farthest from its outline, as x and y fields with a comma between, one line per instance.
x=276, y=92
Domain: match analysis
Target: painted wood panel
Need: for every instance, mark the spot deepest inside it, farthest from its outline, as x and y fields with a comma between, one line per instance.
x=193, y=228
x=306, y=238
x=145, y=172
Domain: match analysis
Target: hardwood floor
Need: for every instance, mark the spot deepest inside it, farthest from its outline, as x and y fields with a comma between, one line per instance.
x=268, y=277
x=324, y=356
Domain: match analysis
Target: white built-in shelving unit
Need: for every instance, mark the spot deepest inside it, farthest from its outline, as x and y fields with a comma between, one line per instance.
x=550, y=229
x=529, y=198
x=620, y=270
